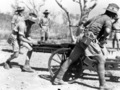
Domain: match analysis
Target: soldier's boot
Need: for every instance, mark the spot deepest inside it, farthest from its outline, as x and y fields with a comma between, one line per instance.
x=27, y=68
x=102, y=80
x=46, y=38
x=42, y=39
x=58, y=80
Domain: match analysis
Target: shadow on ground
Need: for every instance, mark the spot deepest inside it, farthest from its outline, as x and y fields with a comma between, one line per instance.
x=7, y=50
x=17, y=65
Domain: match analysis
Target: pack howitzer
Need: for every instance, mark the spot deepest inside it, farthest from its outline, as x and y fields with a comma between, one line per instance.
x=60, y=52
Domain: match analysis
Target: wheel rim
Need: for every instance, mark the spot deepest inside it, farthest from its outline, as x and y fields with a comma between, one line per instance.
x=56, y=60
x=59, y=56
x=74, y=71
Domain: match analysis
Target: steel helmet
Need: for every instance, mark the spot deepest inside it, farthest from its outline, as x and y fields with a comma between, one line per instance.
x=20, y=7
x=112, y=7
x=46, y=12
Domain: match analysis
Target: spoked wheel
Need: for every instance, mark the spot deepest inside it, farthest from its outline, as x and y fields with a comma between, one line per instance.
x=74, y=71
x=58, y=58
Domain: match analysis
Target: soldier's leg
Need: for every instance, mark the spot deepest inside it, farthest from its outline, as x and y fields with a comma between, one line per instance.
x=46, y=36
x=113, y=41
x=20, y=49
x=13, y=56
x=117, y=44
x=27, y=67
x=75, y=54
x=101, y=71
x=117, y=40
x=42, y=35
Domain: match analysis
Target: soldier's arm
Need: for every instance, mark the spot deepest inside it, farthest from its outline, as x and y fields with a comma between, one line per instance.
x=22, y=34
x=108, y=28
x=13, y=22
x=107, y=31
x=29, y=40
x=40, y=22
x=22, y=38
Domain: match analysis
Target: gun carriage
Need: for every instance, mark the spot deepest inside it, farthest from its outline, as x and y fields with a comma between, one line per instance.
x=60, y=52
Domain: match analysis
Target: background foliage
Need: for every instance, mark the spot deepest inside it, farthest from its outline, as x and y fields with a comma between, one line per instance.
x=57, y=30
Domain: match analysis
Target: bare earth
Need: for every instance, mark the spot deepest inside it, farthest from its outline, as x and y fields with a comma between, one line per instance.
x=15, y=79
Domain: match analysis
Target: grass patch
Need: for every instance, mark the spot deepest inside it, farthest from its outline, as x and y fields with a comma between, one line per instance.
x=4, y=34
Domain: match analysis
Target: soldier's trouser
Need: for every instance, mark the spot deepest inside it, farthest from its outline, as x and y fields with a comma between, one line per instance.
x=44, y=36
x=75, y=54
x=15, y=46
x=116, y=38
x=44, y=33
x=12, y=57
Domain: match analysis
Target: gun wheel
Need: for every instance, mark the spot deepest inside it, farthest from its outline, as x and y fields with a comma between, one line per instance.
x=58, y=58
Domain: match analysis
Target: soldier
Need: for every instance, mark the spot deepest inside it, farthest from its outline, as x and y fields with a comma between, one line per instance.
x=116, y=30
x=23, y=28
x=44, y=25
x=18, y=17
x=98, y=29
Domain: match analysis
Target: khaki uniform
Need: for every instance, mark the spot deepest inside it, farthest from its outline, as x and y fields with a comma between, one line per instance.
x=24, y=30
x=97, y=28
x=88, y=45
x=44, y=22
x=15, y=40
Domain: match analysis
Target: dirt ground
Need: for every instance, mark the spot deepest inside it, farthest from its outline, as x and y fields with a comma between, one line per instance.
x=15, y=79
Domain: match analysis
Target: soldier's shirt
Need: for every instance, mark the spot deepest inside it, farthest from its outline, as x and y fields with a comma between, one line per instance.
x=24, y=28
x=21, y=27
x=44, y=21
x=100, y=23
x=96, y=27
x=23, y=31
x=16, y=19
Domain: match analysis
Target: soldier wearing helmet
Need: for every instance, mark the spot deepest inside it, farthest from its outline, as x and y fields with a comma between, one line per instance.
x=14, y=37
x=91, y=44
x=24, y=29
x=44, y=25
x=18, y=16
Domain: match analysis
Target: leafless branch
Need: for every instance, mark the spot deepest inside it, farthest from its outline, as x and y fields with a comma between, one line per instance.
x=39, y=7
x=34, y=7
x=84, y=9
x=94, y=5
x=69, y=22
x=26, y=5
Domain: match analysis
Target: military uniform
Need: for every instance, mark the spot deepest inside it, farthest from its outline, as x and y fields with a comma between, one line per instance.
x=44, y=24
x=89, y=45
x=14, y=36
x=23, y=30
x=98, y=26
